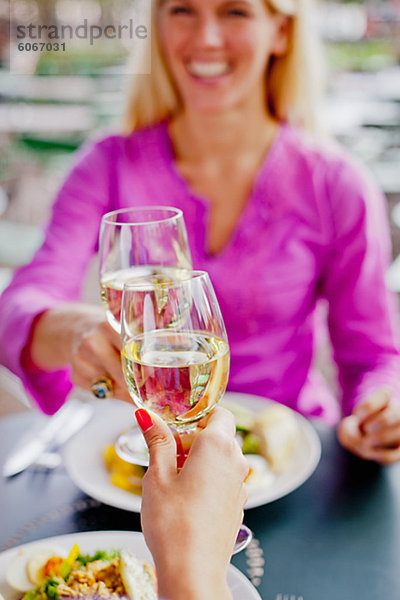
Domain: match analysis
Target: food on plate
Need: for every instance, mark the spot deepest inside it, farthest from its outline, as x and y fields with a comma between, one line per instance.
x=244, y=417
x=104, y=575
x=123, y=474
x=138, y=577
x=272, y=433
x=26, y=568
x=49, y=558
x=267, y=438
x=277, y=429
x=260, y=473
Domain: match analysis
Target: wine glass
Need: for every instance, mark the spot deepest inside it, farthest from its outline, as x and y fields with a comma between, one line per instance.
x=175, y=352
x=138, y=243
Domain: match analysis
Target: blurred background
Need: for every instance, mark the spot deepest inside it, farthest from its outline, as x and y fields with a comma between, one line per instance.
x=47, y=114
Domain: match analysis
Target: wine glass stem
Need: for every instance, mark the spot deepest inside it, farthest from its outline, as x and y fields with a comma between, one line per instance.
x=184, y=439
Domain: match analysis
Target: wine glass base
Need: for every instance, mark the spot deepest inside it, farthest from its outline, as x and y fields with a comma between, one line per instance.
x=131, y=447
x=244, y=537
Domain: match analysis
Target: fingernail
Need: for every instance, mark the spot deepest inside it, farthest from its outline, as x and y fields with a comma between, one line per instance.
x=144, y=419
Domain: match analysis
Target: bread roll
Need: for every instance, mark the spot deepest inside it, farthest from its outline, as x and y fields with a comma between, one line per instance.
x=278, y=430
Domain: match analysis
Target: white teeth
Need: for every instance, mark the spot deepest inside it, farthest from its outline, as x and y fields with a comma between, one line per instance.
x=208, y=69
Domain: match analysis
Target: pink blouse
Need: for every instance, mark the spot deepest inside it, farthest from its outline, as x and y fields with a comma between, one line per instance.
x=314, y=227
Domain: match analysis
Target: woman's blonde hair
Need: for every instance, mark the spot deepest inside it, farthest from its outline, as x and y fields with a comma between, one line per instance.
x=294, y=80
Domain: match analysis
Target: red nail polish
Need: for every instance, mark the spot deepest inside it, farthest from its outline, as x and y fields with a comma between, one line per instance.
x=144, y=419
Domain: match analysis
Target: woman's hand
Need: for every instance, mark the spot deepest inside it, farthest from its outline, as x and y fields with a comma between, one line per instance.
x=95, y=353
x=191, y=518
x=373, y=430
x=78, y=335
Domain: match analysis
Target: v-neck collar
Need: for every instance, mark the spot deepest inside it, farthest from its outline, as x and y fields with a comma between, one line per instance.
x=247, y=215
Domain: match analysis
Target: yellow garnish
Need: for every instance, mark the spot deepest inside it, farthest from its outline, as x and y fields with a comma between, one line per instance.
x=69, y=561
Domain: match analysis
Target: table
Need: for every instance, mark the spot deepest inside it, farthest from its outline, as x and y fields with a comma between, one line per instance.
x=337, y=536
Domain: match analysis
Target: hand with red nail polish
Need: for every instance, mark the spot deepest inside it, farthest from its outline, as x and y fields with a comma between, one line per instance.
x=191, y=516
x=143, y=419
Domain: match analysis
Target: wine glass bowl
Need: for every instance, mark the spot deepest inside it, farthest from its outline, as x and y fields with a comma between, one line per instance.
x=138, y=242
x=175, y=353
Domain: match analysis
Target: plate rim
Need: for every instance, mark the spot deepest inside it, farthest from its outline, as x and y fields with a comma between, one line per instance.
x=126, y=500
x=308, y=469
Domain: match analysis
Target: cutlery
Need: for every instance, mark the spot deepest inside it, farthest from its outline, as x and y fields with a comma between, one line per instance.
x=47, y=461
x=58, y=429
x=51, y=458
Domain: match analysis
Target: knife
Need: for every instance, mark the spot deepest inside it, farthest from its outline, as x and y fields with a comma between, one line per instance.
x=58, y=429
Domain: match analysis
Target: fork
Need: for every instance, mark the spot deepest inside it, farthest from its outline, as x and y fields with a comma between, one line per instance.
x=288, y=597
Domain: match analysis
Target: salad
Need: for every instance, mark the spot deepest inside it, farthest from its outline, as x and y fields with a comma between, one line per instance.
x=53, y=574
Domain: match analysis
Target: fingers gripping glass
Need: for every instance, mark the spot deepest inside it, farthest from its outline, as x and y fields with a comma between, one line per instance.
x=175, y=353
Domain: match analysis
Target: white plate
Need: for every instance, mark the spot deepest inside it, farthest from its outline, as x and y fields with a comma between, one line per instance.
x=303, y=463
x=89, y=542
x=85, y=465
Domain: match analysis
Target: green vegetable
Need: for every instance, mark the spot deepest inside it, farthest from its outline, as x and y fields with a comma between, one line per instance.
x=32, y=594
x=50, y=588
x=84, y=559
x=65, y=569
x=66, y=565
x=251, y=444
x=47, y=591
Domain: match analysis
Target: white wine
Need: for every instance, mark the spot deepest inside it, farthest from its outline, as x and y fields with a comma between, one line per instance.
x=112, y=285
x=180, y=375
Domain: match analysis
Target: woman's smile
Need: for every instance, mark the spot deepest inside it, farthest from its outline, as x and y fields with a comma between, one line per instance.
x=208, y=69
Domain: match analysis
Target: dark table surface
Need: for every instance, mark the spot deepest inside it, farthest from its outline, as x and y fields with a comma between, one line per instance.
x=335, y=537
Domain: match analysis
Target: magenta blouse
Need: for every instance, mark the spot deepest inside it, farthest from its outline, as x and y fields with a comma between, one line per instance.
x=314, y=227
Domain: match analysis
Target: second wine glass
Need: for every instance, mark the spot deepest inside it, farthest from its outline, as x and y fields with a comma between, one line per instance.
x=138, y=242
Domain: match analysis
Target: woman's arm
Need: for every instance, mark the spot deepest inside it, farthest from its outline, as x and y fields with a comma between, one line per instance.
x=362, y=312
x=190, y=518
x=55, y=276
x=77, y=335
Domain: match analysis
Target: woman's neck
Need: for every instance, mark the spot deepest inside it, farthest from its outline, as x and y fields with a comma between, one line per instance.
x=197, y=137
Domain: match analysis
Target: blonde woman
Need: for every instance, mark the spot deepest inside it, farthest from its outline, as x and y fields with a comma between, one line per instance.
x=222, y=128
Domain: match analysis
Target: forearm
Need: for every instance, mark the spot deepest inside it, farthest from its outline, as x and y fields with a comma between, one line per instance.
x=183, y=586
x=55, y=332
x=193, y=571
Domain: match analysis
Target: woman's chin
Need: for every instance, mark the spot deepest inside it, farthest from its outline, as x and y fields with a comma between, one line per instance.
x=210, y=106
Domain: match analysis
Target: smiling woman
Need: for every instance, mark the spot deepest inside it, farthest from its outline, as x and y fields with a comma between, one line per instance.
x=286, y=63
x=221, y=129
